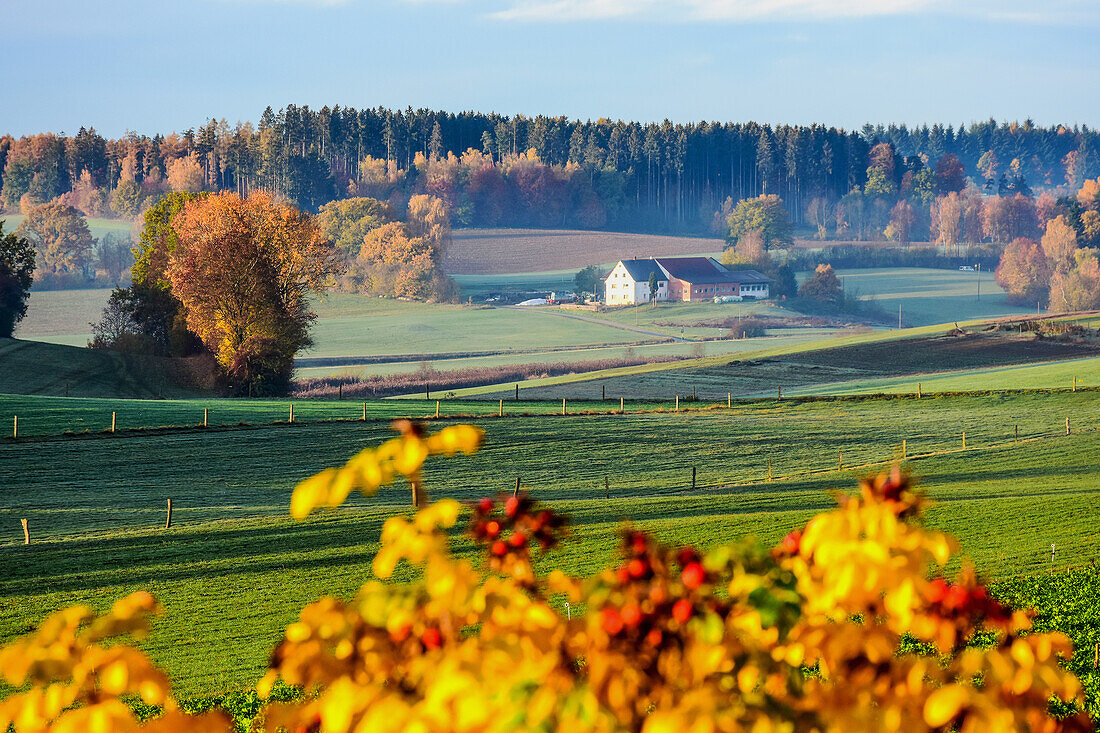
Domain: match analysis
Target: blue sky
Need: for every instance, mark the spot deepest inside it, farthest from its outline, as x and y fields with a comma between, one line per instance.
x=154, y=66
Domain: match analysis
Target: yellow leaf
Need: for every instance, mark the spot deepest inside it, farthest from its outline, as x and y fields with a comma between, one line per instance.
x=944, y=704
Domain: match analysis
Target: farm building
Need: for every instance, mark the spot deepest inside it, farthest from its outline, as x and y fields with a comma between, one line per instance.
x=680, y=278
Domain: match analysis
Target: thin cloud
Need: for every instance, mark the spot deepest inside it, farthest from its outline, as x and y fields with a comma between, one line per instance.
x=742, y=11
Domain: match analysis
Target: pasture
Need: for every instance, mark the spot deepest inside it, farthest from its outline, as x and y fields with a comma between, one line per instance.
x=234, y=569
x=97, y=226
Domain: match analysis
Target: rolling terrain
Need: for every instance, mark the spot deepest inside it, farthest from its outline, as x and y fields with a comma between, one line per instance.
x=234, y=569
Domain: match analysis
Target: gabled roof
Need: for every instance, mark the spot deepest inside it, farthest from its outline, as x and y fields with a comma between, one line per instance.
x=640, y=269
x=702, y=270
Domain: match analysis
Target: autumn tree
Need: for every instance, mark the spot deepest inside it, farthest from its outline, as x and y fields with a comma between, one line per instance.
x=60, y=235
x=1077, y=288
x=243, y=270
x=1060, y=244
x=185, y=174
x=947, y=224
x=16, y=276
x=347, y=222
x=950, y=175
x=824, y=286
x=158, y=239
x=764, y=214
x=1024, y=272
x=902, y=218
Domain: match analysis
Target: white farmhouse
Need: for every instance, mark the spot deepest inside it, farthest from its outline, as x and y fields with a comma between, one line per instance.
x=681, y=278
x=628, y=283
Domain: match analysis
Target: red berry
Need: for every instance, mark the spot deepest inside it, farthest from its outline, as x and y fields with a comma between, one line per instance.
x=693, y=575
x=956, y=597
x=612, y=621
x=632, y=615
x=622, y=574
x=499, y=549
x=511, y=506
x=431, y=638
x=658, y=594
x=400, y=633
x=517, y=540
x=485, y=505
x=637, y=568
x=654, y=637
x=937, y=589
x=791, y=543
x=686, y=556
x=492, y=528
x=681, y=611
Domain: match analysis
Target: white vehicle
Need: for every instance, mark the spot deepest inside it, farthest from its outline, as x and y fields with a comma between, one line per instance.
x=967, y=268
x=728, y=299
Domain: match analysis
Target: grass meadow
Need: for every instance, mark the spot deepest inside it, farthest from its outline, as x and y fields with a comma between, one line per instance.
x=234, y=569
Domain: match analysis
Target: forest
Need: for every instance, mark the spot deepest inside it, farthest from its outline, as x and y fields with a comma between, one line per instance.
x=495, y=170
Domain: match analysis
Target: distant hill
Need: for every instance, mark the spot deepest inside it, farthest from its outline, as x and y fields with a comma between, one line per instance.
x=35, y=368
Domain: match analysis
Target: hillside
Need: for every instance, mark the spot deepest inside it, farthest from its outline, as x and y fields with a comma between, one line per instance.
x=35, y=368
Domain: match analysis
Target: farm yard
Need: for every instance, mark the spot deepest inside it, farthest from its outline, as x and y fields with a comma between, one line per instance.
x=96, y=503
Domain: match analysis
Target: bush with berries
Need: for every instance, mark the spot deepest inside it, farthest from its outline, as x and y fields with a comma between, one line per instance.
x=848, y=624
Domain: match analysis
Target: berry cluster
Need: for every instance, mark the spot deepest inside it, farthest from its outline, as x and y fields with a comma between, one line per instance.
x=893, y=488
x=511, y=533
x=965, y=601
x=648, y=601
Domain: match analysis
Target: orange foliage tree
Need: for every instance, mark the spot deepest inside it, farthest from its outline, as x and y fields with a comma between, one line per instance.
x=1024, y=272
x=243, y=269
x=847, y=625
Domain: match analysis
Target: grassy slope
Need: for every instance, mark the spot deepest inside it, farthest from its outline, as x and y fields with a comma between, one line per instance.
x=1021, y=376
x=62, y=316
x=352, y=325
x=930, y=296
x=234, y=569
x=30, y=367
x=99, y=227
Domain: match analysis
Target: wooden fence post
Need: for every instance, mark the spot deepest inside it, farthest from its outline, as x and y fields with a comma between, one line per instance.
x=964, y=440
x=769, y=469
x=1017, y=438
x=677, y=403
x=500, y=412
x=693, y=393
x=15, y=427
x=427, y=392
x=437, y=408
x=563, y=405
x=1067, y=426
x=112, y=422
x=291, y=412
x=26, y=532
x=603, y=391
x=416, y=494
x=515, y=491
x=517, y=393
x=621, y=405
x=1075, y=384
x=729, y=399
x=340, y=391
x=693, y=478
x=606, y=488
x=364, y=412
x=904, y=449
x=205, y=416
x=780, y=391
x=168, y=521
x=840, y=460
x=918, y=391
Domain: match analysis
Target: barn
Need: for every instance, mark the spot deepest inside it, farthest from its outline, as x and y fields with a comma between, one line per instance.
x=680, y=279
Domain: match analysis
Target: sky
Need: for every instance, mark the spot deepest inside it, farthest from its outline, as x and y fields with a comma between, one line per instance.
x=152, y=66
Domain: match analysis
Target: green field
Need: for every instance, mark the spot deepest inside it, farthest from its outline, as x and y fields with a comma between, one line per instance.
x=930, y=296
x=62, y=316
x=234, y=569
x=1058, y=374
x=98, y=227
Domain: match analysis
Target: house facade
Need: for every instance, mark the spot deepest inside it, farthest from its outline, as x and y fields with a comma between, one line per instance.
x=680, y=279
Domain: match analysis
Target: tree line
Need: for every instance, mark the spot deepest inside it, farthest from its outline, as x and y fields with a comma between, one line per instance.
x=495, y=170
